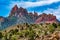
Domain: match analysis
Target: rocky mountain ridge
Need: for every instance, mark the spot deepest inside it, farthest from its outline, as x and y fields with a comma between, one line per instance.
x=21, y=15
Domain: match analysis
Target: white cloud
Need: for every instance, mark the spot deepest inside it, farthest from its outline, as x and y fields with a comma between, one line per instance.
x=32, y=4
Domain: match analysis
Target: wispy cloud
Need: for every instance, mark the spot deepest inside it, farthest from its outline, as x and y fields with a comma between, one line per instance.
x=32, y=4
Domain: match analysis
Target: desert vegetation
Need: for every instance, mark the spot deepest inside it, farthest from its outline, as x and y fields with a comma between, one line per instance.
x=32, y=32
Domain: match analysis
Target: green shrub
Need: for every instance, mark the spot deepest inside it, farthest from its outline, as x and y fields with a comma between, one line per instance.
x=55, y=25
x=51, y=28
x=1, y=35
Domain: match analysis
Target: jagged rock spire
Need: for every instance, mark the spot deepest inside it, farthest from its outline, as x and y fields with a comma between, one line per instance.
x=35, y=13
x=14, y=10
x=18, y=11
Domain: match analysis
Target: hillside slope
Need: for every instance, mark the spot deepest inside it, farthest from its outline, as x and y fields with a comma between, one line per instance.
x=32, y=32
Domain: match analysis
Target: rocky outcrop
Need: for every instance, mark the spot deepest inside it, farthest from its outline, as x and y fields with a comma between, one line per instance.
x=18, y=11
x=35, y=15
x=22, y=11
x=46, y=18
x=13, y=11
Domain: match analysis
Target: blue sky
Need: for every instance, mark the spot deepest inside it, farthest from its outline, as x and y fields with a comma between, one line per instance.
x=40, y=6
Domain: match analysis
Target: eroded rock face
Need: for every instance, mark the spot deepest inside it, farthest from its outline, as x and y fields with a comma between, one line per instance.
x=22, y=11
x=44, y=18
x=18, y=11
x=14, y=10
x=35, y=16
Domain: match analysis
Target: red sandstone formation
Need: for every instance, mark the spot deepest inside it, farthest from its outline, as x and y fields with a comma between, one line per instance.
x=44, y=18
